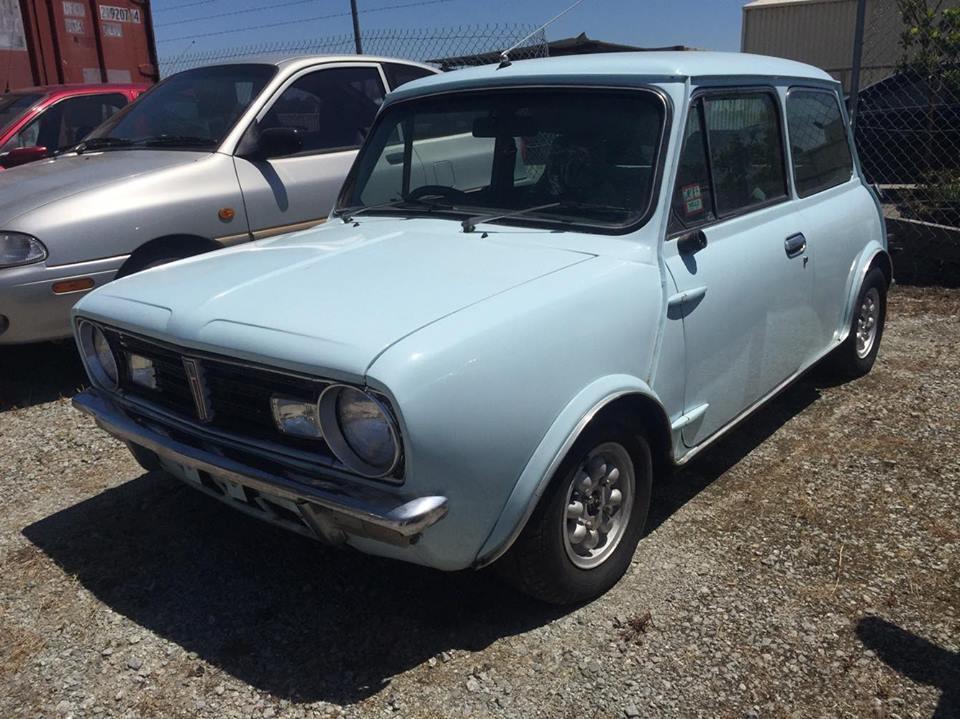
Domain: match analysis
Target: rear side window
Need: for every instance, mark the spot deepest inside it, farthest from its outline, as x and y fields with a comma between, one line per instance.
x=818, y=141
x=398, y=75
x=745, y=149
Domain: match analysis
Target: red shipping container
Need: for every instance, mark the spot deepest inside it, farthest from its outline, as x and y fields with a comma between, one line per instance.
x=45, y=42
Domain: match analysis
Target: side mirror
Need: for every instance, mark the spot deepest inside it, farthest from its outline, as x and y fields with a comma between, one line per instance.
x=22, y=155
x=278, y=142
x=692, y=242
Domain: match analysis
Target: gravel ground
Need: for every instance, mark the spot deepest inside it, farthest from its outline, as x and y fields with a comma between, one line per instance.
x=807, y=566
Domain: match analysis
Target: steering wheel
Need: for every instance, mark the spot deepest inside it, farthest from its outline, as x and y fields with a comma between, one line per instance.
x=448, y=193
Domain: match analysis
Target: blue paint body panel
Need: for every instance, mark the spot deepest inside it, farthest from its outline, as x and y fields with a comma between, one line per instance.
x=496, y=348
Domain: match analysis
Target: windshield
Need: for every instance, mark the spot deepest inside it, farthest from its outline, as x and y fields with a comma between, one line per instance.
x=567, y=156
x=13, y=105
x=194, y=108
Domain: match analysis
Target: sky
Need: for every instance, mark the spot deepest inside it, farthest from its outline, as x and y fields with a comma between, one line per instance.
x=707, y=24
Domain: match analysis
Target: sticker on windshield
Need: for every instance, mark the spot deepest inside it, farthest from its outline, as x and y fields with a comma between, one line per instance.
x=692, y=199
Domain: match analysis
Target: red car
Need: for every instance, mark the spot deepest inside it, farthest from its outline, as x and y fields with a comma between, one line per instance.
x=37, y=121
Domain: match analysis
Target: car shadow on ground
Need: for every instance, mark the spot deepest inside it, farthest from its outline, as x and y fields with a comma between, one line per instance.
x=917, y=659
x=688, y=481
x=36, y=373
x=289, y=616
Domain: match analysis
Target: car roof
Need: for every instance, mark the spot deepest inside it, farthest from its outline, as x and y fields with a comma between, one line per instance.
x=78, y=88
x=620, y=68
x=287, y=61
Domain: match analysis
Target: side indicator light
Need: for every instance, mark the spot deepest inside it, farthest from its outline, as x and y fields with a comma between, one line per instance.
x=64, y=287
x=226, y=214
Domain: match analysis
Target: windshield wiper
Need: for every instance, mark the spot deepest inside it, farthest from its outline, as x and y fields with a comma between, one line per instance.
x=348, y=213
x=470, y=224
x=175, y=141
x=97, y=143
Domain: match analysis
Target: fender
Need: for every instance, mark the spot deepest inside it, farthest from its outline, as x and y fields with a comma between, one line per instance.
x=549, y=454
x=871, y=254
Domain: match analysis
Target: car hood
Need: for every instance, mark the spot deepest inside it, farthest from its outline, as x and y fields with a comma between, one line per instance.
x=31, y=186
x=330, y=299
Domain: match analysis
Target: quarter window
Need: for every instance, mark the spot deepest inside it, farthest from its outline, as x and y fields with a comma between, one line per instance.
x=692, y=196
x=818, y=141
x=332, y=108
x=746, y=153
x=399, y=75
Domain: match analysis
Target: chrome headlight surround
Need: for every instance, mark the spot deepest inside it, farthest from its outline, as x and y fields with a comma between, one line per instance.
x=17, y=248
x=98, y=356
x=332, y=420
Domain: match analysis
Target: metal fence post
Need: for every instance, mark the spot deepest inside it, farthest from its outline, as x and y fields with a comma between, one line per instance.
x=857, y=59
x=356, y=26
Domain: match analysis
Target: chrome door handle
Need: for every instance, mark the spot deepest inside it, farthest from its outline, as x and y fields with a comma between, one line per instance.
x=795, y=244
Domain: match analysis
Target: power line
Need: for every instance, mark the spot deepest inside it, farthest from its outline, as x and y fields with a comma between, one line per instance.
x=300, y=20
x=230, y=13
x=182, y=5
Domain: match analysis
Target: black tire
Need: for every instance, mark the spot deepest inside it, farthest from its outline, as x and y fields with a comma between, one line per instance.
x=538, y=563
x=846, y=362
x=153, y=258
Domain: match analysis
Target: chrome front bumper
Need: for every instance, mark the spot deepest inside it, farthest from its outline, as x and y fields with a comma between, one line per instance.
x=329, y=510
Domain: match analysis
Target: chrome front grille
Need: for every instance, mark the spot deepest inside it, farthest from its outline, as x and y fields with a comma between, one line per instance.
x=218, y=393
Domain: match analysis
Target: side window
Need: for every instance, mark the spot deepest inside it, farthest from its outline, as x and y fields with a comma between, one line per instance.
x=746, y=153
x=67, y=122
x=398, y=75
x=818, y=141
x=332, y=108
x=692, y=196
x=79, y=116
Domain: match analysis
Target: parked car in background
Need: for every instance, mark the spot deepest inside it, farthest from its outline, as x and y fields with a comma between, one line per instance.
x=907, y=131
x=490, y=353
x=208, y=158
x=37, y=122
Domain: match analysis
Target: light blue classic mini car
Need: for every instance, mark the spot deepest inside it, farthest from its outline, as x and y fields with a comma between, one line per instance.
x=543, y=284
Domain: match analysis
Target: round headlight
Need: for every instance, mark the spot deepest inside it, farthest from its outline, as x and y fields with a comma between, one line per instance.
x=17, y=248
x=98, y=357
x=359, y=430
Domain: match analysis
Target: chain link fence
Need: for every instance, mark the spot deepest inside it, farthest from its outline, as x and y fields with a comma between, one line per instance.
x=448, y=48
x=908, y=127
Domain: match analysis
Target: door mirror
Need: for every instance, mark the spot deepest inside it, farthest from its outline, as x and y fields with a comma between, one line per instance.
x=278, y=142
x=692, y=242
x=22, y=155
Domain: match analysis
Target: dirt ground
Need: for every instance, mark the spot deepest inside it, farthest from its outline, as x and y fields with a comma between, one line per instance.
x=806, y=566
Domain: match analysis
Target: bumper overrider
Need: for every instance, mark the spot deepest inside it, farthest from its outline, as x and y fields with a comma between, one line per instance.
x=329, y=510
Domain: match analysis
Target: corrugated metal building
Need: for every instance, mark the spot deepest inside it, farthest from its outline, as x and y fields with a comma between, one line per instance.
x=820, y=32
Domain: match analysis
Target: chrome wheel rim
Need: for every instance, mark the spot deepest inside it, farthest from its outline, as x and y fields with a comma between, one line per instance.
x=868, y=319
x=599, y=503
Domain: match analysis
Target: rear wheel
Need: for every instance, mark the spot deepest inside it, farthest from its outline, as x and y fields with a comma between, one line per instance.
x=582, y=535
x=855, y=357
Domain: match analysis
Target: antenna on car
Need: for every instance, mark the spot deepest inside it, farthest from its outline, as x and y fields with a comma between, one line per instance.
x=505, y=55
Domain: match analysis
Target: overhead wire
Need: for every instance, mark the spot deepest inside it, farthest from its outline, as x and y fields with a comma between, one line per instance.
x=300, y=20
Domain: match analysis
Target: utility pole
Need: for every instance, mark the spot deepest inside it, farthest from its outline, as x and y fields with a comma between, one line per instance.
x=356, y=27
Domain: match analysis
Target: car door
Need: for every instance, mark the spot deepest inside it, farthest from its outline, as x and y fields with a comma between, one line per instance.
x=839, y=213
x=736, y=254
x=332, y=107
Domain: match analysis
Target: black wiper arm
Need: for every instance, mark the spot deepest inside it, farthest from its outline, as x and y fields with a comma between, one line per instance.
x=470, y=224
x=348, y=213
x=176, y=140
x=97, y=143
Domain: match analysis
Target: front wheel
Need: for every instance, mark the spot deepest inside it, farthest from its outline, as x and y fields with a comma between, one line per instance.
x=855, y=357
x=582, y=535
